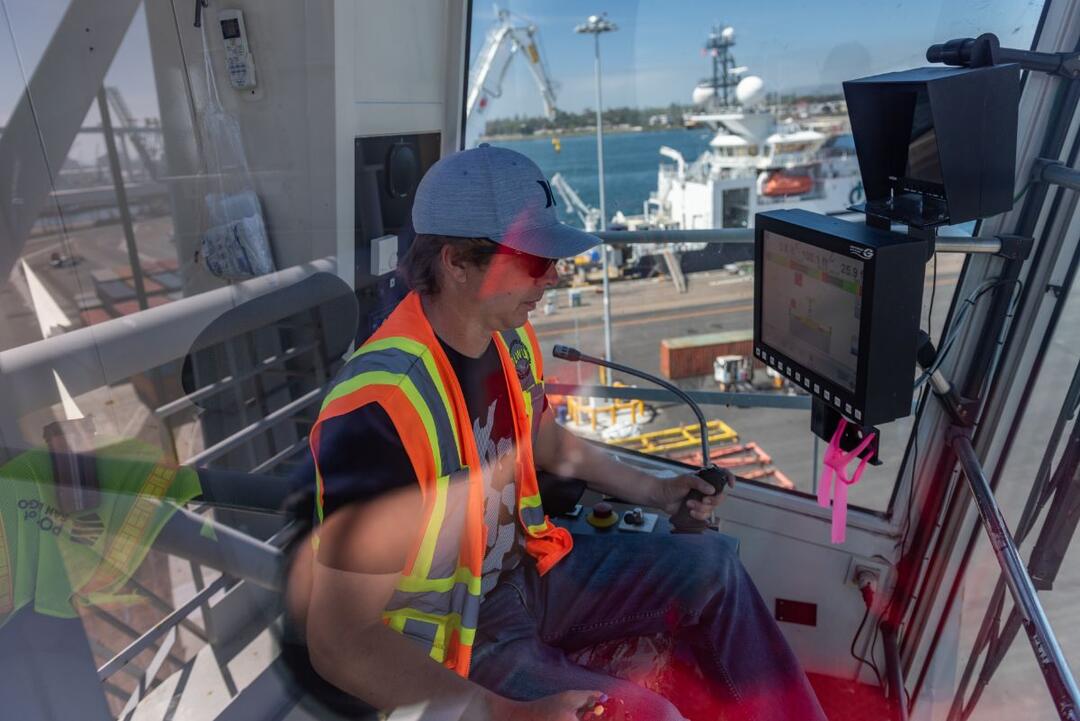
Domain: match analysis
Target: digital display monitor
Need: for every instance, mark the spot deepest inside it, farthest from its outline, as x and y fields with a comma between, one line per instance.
x=923, y=159
x=836, y=311
x=936, y=145
x=811, y=306
x=230, y=29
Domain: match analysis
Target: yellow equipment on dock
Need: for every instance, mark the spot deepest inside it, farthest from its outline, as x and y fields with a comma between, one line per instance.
x=673, y=439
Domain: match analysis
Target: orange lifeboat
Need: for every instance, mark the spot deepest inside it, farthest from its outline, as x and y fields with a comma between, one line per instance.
x=782, y=183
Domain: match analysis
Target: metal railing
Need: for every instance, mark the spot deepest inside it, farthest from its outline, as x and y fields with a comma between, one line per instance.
x=706, y=398
x=716, y=235
x=115, y=350
x=266, y=333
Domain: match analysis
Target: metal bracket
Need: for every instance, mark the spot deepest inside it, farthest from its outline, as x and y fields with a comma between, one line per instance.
x=986, y=50
x=1070, y=65
x=1044, y=170
x=1015, y=247
x=955, y=432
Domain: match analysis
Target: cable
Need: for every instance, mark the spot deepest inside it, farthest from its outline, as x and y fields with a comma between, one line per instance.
x=915, y=425
x=868, y=601
x=933, y=293
x=914, y=469
x=1022, y=191
x=957, y=323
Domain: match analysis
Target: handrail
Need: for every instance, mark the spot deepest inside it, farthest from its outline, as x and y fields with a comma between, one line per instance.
x=714, y=235
x=159, y=629
x=708, y=398
x=270, y=419
x=115, y=350
x=1048, y=654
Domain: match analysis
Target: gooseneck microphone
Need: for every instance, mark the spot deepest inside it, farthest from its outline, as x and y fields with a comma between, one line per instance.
x=573, y=354
x=682, y=521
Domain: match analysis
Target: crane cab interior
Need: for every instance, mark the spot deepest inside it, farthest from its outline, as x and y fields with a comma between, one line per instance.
x=203, y=206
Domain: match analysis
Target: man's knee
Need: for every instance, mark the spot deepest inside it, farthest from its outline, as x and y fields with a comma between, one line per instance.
x=708, y=569
x=705, y=555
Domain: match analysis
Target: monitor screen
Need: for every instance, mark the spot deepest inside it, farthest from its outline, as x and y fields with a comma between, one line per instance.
x=230, y=28
x=810, y=307
x=923, y=162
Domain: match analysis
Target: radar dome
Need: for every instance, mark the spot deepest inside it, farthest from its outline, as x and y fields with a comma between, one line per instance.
x=728, y=33
x=750, y=90
x=702, y=94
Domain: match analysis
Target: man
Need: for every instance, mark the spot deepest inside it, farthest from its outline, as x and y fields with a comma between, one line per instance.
x=433, y=545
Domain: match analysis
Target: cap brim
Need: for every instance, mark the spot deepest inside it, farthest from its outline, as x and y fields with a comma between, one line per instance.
x=553, y=241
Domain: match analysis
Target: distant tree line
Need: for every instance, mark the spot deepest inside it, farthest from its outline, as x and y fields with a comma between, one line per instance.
x=670, y=116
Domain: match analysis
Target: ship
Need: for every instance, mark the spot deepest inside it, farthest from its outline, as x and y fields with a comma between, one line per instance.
x=759, y=159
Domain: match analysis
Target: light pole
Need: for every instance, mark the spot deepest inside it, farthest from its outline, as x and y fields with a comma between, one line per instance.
x=595, y=25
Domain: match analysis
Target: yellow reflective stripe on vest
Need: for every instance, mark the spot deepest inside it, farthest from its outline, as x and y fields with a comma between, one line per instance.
x=524, y=336
x=415, y=584
x=444, y=626
x=405, y=384
x=422, y=565
x=527, y=394
x=421, y=351
x=532, y=513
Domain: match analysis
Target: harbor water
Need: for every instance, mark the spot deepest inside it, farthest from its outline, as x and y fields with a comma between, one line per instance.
x=631, y=160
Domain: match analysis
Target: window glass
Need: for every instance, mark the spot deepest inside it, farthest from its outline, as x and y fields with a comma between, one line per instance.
x=122, y=337
x=705, y=124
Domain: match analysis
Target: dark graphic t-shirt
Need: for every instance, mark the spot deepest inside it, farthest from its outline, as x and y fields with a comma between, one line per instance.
x=361, y=456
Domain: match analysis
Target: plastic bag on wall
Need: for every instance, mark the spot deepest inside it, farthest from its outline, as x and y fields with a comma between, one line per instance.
x=235, y=244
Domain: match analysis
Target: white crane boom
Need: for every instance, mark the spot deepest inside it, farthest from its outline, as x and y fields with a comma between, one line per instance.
x=589, y=216
x=485, y=80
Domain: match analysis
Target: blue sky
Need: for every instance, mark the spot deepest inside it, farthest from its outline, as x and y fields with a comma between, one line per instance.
x=32, y=22
x=655, y=57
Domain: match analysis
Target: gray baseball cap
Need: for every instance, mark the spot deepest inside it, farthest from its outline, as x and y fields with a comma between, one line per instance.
x=495, y=193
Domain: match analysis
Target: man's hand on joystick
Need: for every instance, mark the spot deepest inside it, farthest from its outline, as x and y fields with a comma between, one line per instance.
x=670, y=493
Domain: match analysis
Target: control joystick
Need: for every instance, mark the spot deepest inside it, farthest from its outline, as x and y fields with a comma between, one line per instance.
x=718, y=478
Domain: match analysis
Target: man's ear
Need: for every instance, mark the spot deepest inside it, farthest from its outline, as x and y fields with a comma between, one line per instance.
x=453, y=264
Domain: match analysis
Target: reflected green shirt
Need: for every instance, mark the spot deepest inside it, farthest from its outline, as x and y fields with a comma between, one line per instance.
x=47, y=555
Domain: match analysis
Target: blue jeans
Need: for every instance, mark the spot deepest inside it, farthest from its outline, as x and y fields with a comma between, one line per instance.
x=615, y=587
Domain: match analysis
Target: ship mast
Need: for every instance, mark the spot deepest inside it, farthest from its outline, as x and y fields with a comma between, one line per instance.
x=724, y=78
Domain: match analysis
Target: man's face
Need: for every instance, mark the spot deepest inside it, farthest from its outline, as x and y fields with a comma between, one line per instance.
x=502, y=293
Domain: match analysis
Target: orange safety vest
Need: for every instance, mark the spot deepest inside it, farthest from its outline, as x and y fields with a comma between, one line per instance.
x=404, y=369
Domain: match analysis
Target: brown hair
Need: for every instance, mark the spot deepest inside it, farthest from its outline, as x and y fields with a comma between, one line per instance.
x=419, y=267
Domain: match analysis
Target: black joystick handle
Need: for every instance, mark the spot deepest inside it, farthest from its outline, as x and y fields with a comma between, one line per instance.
x=718, y=478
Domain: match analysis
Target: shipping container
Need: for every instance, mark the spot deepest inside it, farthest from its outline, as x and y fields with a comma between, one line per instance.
x=693, y=355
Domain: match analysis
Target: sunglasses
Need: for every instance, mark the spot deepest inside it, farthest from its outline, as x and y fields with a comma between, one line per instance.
x=535, y=266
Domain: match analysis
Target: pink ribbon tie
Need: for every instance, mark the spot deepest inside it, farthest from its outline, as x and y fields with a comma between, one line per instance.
x=836, y=462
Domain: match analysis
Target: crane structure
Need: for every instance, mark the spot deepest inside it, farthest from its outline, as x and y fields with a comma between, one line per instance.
x=504, y=40
x=147, y=152
x=588, y=215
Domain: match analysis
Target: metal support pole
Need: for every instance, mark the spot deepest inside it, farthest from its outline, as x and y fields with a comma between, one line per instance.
x=210, y=543
x=1056, y=173
x=711, y=235
x=967, y=245
x=1048, y=655
x=603, y=204
x=894, y=673
x=121, y=199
